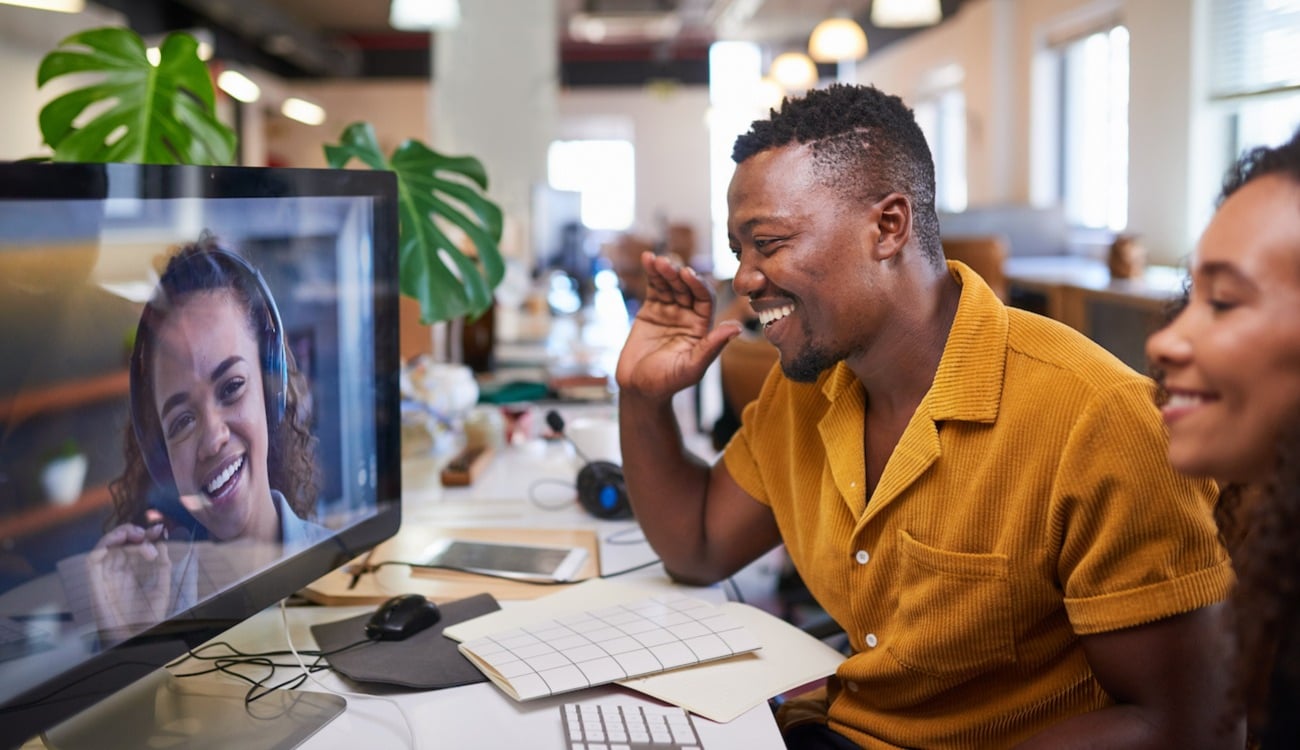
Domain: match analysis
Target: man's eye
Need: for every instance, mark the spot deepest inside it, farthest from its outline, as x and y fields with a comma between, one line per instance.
x=735, y=250
x=1221, y=305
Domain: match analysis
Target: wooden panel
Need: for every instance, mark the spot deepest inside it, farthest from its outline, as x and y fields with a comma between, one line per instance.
x=64, y=396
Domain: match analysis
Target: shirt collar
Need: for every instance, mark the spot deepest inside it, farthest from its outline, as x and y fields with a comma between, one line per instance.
x=968, y=383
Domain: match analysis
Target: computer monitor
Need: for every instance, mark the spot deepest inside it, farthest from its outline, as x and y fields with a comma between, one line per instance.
x=199, y=412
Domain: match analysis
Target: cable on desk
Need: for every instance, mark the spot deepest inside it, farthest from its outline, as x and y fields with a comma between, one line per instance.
x=616, y=539
x=228, y=663
x=434, y=566
x=532, y=493
x=736, y=588
x=309, y=674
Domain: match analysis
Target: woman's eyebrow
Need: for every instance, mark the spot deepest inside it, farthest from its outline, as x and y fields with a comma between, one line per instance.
x=225, y=364
x=1223, y=269
x=177, y=399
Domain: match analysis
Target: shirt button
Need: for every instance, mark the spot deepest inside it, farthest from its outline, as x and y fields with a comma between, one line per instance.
x=862, y=557
x=872, y=640
x=853, y=687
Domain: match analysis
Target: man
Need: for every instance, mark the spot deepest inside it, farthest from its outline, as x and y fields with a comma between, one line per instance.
x=978, y=495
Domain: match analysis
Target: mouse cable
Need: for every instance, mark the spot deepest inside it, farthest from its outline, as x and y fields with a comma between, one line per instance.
x=310, y=674
x=230, y=662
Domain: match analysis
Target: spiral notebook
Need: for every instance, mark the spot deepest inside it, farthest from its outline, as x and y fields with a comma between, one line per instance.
x=608, y=644
x=719, y=690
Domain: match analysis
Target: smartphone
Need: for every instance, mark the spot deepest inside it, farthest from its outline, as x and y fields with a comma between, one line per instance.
x=527, y=562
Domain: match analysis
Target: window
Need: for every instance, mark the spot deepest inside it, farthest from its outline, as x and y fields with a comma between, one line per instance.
x=604, y=173
x=942, y=117
x=1254, y=75
x=1093, y=135
x=735, y=71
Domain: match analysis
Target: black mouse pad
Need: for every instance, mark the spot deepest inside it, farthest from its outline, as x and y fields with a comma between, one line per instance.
x=426, y=660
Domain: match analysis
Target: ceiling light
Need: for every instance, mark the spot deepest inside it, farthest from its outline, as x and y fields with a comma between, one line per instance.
x=892, y=14
x=598, y=27
x=795, y=71
x=239, y=86
x=424, y=15
x=837, y=39
x=303, y=111
x=58, y=6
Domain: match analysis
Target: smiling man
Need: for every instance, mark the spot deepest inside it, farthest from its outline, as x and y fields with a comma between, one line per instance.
x=979, y=496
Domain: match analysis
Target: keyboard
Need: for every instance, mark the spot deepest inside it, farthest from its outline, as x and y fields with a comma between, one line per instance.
x=615, y=726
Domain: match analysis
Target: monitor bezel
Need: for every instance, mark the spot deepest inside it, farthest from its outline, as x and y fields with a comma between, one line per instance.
x=63, y=695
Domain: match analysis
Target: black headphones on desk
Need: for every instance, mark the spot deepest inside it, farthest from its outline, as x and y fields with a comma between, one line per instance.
x=601, y=490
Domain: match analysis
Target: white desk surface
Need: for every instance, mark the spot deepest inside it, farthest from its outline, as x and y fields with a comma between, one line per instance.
x=481, y=716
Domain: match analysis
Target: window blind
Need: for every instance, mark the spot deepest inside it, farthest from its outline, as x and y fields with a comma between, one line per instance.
x=1254, y=47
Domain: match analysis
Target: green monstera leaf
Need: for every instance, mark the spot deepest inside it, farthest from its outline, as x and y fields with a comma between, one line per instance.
x=138, y=112
x=434, y=188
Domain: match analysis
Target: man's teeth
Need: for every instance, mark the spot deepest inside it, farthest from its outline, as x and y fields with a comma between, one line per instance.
x=224, y=476
x=767, y=317
x=1183, y=400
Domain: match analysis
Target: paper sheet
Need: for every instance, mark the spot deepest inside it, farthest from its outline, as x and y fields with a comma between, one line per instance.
x=720, y=690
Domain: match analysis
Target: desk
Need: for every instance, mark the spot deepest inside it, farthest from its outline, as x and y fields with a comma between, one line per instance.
x=1119, y=314
x=481, y=716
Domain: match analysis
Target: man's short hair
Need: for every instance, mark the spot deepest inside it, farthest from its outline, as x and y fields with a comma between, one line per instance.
x=865, y=142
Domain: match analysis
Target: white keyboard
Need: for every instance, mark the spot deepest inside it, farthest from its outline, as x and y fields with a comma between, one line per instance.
x=613, y=726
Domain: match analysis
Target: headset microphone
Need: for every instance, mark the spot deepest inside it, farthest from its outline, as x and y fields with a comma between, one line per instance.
x=601, y=490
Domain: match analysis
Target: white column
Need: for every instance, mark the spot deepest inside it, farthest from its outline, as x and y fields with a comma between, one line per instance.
x=495, y=89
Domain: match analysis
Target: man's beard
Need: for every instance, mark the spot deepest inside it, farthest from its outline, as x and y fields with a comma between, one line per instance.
x=809, y=364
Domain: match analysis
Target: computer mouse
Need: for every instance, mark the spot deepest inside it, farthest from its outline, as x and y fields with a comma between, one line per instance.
x=402, y=617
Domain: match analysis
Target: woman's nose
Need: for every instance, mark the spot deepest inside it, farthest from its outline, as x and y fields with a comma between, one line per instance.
x=215, y=433
x=1169, y=345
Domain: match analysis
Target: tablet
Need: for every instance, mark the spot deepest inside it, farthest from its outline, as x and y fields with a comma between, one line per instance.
x=527, y=562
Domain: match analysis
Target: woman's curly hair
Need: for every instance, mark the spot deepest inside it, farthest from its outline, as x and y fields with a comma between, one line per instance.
x=292, y=468
x=1260, y=523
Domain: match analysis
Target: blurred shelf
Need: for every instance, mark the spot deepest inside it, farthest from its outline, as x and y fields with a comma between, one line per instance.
x=66, y=395
x=39, y=518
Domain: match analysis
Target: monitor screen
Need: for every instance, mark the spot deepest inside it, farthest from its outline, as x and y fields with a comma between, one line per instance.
x=198, y=409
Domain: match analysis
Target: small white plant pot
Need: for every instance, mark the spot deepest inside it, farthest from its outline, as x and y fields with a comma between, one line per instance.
x=63, y=478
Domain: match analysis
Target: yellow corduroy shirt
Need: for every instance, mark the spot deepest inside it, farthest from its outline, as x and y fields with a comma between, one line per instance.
x=1028, y=502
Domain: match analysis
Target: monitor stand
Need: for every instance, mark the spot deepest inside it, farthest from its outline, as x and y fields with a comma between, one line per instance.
x=161, y=711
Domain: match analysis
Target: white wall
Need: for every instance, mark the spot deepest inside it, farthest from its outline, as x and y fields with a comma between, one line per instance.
x=671, y=138
x=398, y=109
x=25, y=36
x=996, y=41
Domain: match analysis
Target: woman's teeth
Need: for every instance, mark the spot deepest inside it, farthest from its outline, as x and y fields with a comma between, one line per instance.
x=220, y=480
x=768, y=317
x=1183, y=400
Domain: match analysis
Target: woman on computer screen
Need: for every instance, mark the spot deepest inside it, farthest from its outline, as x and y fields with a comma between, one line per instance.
x=218, y=409
x=1229, y=364
x=218, y=447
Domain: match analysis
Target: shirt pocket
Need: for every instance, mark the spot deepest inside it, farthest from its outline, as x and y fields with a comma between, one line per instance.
x=954, y=614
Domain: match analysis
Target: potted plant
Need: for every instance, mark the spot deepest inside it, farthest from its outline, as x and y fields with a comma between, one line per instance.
x=166, y=114
x=64, y=473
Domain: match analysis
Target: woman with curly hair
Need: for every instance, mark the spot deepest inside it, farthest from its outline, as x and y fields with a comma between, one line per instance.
x=218, y=441
x=1229, y=364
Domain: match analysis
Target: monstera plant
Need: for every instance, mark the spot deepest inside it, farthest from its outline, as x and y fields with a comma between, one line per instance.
x=137, y=111
x=131, y=109
x=447, y=283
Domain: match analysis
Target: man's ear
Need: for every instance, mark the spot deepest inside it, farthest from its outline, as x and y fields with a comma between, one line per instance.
x=894, y=225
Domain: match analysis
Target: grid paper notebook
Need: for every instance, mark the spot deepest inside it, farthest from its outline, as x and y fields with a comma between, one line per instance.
x=604, y=645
